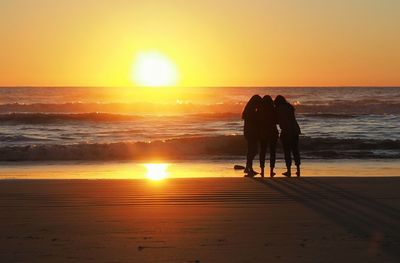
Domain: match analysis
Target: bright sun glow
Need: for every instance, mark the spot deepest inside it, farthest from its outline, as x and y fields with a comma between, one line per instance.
x=153, y=69
x=156, y=171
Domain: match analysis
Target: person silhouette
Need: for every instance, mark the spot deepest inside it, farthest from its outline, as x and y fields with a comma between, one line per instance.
x=251, y=118
x=268, y=133
x=290, y=131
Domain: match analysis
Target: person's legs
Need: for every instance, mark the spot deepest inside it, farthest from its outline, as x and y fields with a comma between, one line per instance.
x=296, y=153
x=286, y=144
x=272, y=155
x=251, y=153
x=263, y=151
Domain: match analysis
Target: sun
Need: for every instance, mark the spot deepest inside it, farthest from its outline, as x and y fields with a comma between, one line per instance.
x=154, y=69
x=156, y=171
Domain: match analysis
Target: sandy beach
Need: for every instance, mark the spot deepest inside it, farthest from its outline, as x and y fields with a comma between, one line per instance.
x=137, y=131
x=201, y=220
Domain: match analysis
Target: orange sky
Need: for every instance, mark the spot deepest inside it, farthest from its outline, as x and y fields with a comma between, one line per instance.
x=214, y=43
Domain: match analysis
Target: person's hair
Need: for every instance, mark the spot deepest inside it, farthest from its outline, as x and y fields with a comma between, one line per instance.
x=267, y=102
x=251, y=105
x=280, y=100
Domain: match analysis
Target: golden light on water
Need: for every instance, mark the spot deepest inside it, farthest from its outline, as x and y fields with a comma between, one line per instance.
x=156, y=171
x=153, y=69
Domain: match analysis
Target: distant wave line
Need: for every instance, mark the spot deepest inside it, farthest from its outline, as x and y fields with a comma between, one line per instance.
x=102, y=117
x=330, y=107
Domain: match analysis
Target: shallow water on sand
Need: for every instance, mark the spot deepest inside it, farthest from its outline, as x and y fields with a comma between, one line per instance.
x=187, y=169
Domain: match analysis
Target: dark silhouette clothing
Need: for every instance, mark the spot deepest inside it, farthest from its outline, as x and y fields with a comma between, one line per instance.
x=264, y=143
x=290, y=144
x=251, y=133
x=251, y=122
x=268, y=135
x=290, y=131
x=252, y=148
x=287, y=120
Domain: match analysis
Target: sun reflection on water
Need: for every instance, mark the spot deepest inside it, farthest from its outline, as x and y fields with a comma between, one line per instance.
x=156, y=171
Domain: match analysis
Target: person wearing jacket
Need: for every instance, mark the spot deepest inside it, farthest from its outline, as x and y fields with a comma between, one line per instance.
x=251, y=118
x=290, y=131
x=268, y=133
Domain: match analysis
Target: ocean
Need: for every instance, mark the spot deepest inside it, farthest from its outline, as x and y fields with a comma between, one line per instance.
x=51, y=128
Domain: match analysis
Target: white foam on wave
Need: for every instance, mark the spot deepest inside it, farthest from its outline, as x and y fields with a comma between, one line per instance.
x=197, y=147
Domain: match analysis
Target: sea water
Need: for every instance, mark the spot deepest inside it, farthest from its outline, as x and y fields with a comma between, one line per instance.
x=45, y=124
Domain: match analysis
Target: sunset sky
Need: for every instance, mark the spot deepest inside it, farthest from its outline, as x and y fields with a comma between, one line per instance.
x=212, y=42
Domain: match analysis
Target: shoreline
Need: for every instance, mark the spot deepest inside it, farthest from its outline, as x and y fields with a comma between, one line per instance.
x=190, y=169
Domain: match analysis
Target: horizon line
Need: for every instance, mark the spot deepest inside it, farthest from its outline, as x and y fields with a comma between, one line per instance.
x=228, y=86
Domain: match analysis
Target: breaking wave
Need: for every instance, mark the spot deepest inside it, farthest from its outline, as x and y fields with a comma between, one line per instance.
x=198, y=147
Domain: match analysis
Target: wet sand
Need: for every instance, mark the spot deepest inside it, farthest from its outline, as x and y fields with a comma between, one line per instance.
x=201, y=220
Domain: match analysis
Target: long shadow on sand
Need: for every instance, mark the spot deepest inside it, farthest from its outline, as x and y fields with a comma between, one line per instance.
x=360, y=215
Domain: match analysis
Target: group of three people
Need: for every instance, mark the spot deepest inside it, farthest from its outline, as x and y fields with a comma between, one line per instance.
x=261, y=117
